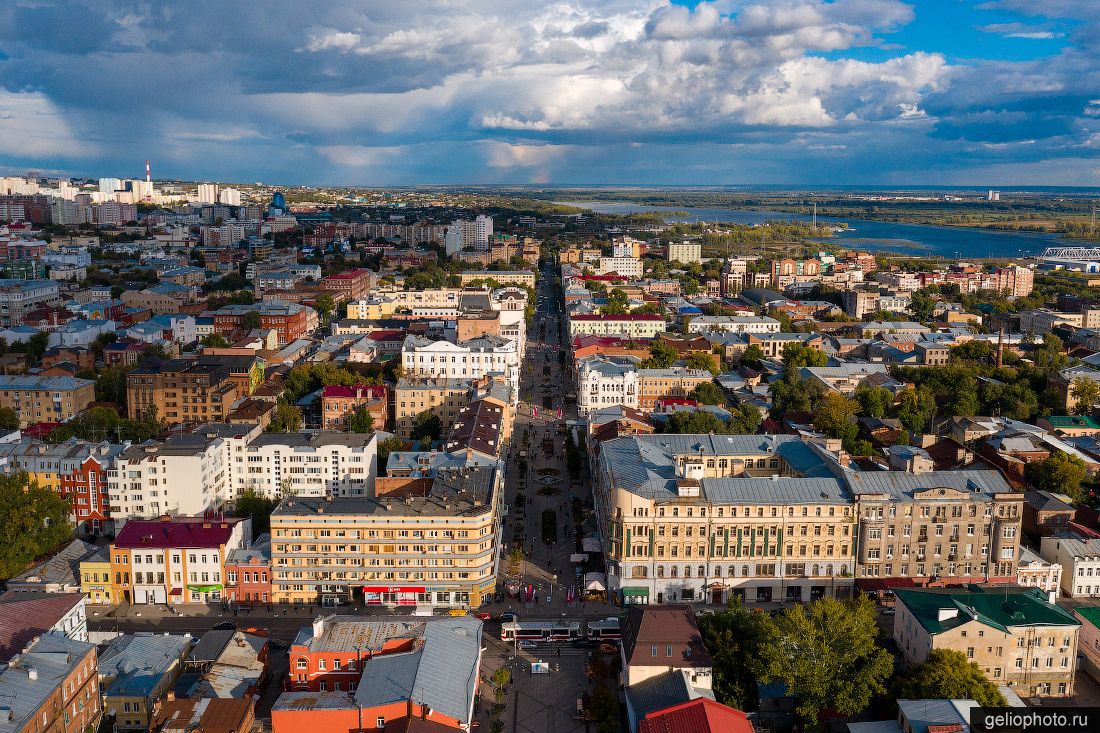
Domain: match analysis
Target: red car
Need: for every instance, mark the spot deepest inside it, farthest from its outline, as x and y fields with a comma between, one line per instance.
x=484, y=615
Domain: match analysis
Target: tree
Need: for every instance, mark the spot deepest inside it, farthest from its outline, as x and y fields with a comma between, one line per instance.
x=915, y=408
x=752, y=356
x=110, y=385
x=215, y=341
x=1061, y=473
x=796, y=356
x=709, y=393
x=874, y=401
x=362, y=421
x=35, y=522
x=250, y=320
x=827, y=656
x=426, y=425
x=835, y=415
x=921, y=305
x=699, y=360
x=256, y=506
x=287, y=419
x=387, y=446
x=617, y=303
x=739, y=642
x=1050, y=357
x=661, y=356
x=1085, y=393
x=947, y=674
x=9, y=418
x=325, y=305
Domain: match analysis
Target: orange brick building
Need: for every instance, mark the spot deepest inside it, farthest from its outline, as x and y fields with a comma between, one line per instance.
x=339, y=403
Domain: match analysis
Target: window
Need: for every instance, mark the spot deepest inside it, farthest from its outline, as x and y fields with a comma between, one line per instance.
x=321, y=664
x=381, y=722
x=668, y=650
x=653, y=651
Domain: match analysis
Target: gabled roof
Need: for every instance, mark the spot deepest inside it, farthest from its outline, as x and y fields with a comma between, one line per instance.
x=665, y=626
x=176, y=533
x=24, y=616
x=701, y=715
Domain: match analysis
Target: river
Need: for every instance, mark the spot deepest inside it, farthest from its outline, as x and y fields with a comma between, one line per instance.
x=915, y=239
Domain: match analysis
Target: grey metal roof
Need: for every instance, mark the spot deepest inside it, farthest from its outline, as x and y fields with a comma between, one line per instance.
x=441, y=674
x=780, y=490
x=53, y=657
x=663, y=691
x=135, y=663
x=63, y=568
x=900, y=485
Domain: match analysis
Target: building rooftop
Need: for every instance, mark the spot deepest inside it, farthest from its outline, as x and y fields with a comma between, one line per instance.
x=61, y=569
x=664, y=628
x=177, y=532
x=1001, y=607
x=55, y=384
x=203, y=714
x=477, y=427
x=456, y=492
x=53, y=658
x=25, y=615
x=701, y=715
x=135, y=663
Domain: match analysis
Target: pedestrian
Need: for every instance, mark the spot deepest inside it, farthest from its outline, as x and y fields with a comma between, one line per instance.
x=559, y=651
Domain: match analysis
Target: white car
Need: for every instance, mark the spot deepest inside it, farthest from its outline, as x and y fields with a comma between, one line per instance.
x=528, y=645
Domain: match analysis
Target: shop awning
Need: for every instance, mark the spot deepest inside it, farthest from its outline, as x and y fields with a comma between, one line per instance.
x=176, y=592
x=591, y=544
x=205, y=588
x=634, y=592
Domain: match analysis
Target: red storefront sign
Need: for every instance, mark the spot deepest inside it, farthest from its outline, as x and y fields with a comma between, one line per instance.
x=402, y=595
x=393, y=589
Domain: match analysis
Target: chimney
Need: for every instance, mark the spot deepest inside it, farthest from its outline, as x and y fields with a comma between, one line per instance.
x=843, y=458
x=318, y=627
x=32, y=673
x=170, y=696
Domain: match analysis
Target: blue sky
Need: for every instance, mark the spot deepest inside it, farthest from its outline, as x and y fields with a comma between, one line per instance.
x=802, y=92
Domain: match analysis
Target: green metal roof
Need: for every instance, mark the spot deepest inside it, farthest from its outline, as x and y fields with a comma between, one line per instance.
x=1073, y=421
x=998, y=607
x=1090, y=614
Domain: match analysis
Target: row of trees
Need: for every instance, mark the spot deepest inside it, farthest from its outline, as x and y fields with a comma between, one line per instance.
x=35, y=522
x=828, y=656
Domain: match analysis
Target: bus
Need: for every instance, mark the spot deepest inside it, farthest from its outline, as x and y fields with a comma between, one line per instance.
x=540, y=631
x=605, y=630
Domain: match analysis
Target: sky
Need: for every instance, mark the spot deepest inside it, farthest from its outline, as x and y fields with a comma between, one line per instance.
x=731, y=92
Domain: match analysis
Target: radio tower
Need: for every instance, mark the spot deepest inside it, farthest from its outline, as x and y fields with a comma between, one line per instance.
x=148, y=175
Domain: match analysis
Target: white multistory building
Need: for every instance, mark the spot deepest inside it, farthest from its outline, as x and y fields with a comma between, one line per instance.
x=1080, y=563
x=605, y=382
x=464, y=233
x=208, y=193
x=318, y=464
x=733, y=324
x=485, y=356
x=629, y=267
x=110, y=185
x=185, y=475
x=230, y=197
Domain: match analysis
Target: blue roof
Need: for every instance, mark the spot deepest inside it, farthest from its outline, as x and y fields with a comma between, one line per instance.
x=136, y=663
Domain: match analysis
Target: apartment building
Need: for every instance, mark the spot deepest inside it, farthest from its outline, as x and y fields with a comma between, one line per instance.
x=1014, y=280
x=1015, y=635
x=444, y=398
x=95, y=576
x=18, y=297
x=415, y=541
x=45, y=399
x=603, y=381
x=50, y=686
x=487, y=356
x=946, y=526
x=709, y=517
x=685, y=252
x=733, y=324
x=631, y=325
x=184, y=475
x=1080, y=561
x=311, y=464
x=174, y=560
x=184, y=390
x=576, y=255
x=248, y=573
x=339, y=404
x=157, y=302
x=671, y=383
x=77, y=470
x=291, y=321
x=523, y=278
x=629, y=267
x=1035, y=572
x=351, y=284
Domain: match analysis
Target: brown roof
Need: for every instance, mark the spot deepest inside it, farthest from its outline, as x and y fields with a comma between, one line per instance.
x=220, y=715
x=25, y=615
x=477, y=427
x=663, y=626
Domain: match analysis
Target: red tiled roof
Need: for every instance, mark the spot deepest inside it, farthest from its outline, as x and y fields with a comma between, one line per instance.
x=347, y=274
x=360, y=390
x=701, y=715
x=24, y=616
x=183, y=532
x=389, y=334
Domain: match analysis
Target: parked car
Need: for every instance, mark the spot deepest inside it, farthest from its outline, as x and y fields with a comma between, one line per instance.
x=608, y=648
x=508, y=616
x=457, y=612
x=225, y=626
x=484, y=616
